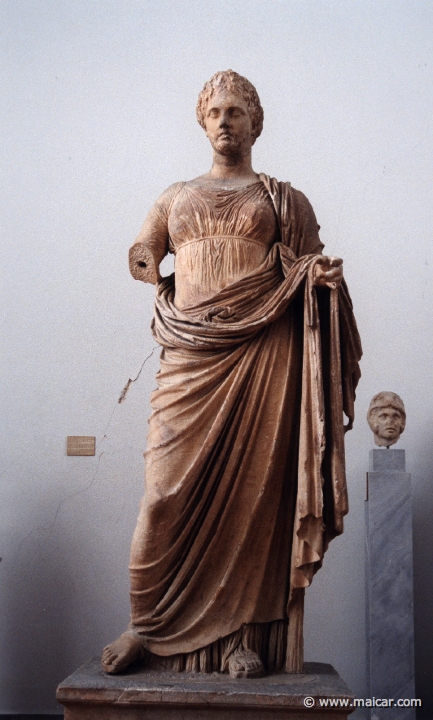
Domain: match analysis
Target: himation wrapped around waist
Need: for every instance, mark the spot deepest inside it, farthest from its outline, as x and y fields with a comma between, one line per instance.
x=237, y=312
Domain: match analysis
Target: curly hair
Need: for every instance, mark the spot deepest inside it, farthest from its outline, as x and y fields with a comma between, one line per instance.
x=230, y=80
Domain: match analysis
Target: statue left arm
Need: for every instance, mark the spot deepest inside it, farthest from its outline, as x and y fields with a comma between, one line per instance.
x=328, y=270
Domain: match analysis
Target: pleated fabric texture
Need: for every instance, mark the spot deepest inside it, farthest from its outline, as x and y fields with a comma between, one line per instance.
x=245, y=477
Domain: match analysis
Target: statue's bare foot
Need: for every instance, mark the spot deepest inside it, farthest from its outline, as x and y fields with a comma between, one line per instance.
x=245, y=664
x=121, y=653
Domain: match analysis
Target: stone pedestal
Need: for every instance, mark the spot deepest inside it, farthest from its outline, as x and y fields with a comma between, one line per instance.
x=90, y=694
x=390, y=633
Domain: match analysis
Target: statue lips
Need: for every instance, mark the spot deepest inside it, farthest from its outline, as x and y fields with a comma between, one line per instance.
x=225, y=136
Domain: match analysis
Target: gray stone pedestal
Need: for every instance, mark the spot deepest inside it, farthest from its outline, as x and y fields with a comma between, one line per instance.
x=91, y=694
x=390, y=634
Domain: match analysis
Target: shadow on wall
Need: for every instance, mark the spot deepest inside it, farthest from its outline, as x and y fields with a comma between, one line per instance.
x=40, y=627
x=55, y=587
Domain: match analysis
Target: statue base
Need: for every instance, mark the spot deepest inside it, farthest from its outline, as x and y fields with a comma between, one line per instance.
x=139, y=694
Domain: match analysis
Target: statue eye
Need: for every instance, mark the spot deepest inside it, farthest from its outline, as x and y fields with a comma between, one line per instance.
x=141, y=264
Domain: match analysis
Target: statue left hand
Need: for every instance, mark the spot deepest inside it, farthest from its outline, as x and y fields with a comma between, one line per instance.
x=328, y=272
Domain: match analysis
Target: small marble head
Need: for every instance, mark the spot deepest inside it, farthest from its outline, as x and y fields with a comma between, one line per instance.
x=232, y=82
x=387, y=418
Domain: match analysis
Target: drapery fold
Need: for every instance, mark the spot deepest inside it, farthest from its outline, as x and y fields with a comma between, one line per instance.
x=241, y=311
x=245, y=472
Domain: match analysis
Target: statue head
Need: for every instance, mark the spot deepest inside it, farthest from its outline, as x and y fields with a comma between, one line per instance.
x=230, y=81
x=387, y=418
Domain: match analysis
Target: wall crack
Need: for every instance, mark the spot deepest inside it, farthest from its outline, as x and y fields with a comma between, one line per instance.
x=47, y=528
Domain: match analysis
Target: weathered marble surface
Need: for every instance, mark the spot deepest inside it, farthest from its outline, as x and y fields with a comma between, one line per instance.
x=387, y=418
x=91, y=694
x=390, y=633
x=245, y=469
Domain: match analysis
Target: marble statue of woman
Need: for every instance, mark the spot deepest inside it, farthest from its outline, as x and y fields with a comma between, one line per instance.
x=245, y=479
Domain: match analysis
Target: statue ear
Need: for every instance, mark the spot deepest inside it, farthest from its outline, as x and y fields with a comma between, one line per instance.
x=372, y=421
x=375, y=426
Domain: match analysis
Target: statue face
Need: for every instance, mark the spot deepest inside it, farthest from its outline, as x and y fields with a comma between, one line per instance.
x=228, y=124
x=387, y=425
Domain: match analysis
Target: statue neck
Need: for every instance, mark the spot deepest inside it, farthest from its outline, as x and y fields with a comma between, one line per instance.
x=232, y=166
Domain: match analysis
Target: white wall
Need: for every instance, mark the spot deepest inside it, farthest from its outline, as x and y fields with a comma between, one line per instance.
x=98, y=108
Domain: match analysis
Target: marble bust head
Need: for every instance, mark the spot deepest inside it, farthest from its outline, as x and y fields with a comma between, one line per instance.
x=387, y=418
